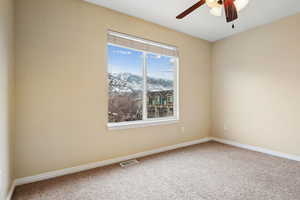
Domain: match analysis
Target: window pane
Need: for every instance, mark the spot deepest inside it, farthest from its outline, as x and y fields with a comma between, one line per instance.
x=125, y=84
x=160, y=83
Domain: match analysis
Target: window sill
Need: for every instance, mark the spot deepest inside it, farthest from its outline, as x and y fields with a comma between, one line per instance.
x=141, y=124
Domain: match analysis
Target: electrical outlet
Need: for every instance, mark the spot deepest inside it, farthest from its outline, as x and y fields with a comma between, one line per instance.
x=182, y=129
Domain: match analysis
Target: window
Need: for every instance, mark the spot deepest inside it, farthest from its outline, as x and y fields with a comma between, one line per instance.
x=142, y=82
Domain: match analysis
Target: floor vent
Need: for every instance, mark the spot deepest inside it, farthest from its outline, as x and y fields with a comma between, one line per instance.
x=129, y=163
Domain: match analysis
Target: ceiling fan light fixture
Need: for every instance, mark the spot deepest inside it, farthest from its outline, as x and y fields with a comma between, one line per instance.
x=240, y=4
x=216, y=11
x=231, y=8
x=212, y=3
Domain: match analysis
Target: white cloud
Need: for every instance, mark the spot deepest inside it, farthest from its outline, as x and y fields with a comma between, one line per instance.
x=122, y=52
x=167, y=71
x=172, y=60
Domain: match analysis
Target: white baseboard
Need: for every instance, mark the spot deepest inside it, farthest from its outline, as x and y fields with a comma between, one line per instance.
x=258, y=149
x=11, y=190
x=57, y=173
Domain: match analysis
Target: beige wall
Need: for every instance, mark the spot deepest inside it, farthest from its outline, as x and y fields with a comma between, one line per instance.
x=62, y=94
x=61, y=86
x=6, y=91
x=256, y=87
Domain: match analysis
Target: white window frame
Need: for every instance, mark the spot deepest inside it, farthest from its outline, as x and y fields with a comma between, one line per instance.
x=152, y=121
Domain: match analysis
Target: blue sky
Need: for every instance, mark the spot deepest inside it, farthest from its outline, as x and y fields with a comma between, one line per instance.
x=127, y=60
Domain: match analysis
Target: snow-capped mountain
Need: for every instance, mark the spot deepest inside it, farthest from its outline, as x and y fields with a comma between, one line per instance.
x=127, y=82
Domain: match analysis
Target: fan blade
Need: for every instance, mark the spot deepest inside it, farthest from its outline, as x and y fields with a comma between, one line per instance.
x=230, y=11
x=191, y=9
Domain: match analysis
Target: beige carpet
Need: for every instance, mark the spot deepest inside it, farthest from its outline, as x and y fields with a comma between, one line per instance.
x=209, y=171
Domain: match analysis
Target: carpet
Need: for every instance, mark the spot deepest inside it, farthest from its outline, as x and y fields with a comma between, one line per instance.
x=209, y=171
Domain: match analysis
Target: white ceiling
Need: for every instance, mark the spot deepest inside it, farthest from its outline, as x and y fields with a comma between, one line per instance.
x=200, y=23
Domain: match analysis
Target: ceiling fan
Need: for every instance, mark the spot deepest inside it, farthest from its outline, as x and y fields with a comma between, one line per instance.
x=231, y=8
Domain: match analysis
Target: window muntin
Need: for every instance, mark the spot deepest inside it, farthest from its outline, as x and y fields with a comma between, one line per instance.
x=142, y=86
